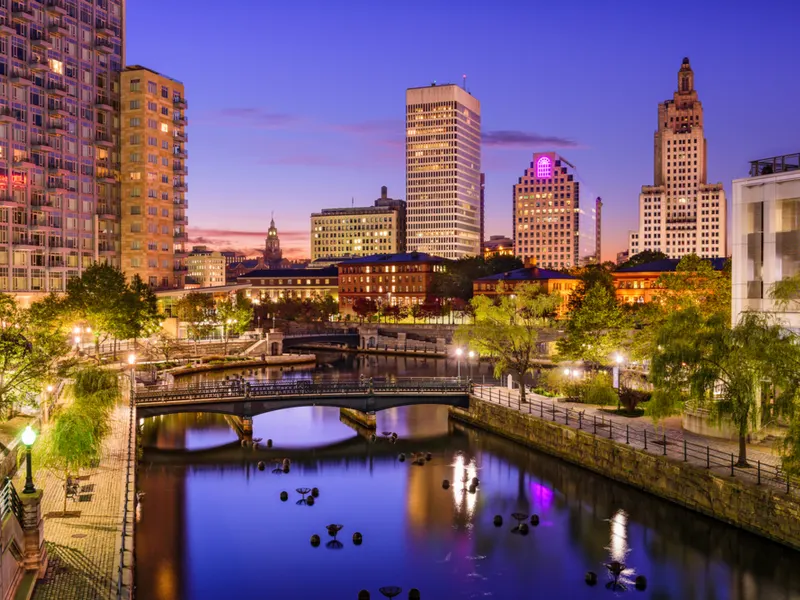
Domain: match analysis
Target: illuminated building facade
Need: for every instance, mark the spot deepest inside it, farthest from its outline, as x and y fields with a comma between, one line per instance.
x=443, y=171
x=154, y=173
x=550, y=228
x=359, y=231
x=681, y=214
x=59, y=141
x=498, y=245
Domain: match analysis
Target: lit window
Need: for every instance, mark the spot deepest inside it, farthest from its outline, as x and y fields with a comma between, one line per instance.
x=544, y=168
x=165, y=128
x=56, y=66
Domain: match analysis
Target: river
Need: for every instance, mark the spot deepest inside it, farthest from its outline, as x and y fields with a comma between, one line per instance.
x=212, y=526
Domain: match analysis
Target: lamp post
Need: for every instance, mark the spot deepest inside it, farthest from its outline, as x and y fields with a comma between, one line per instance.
x=471, y=355
x=132, y=363
x=28, y=438
x=459, y=352
x=619, y=359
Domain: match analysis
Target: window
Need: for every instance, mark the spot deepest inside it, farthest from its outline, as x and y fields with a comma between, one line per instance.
x=56, y=66
x=135, y=85
x=135, y=105
x=152, y=88
x=544, y=168
x=165, y=128
x=135, y=122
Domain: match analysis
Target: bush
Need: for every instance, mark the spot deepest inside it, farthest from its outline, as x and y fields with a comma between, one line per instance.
x=630, y=399
x=556, y=381
x=598, y=390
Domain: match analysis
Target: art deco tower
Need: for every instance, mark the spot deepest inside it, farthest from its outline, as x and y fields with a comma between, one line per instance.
x=443, y=171
x=681, y=213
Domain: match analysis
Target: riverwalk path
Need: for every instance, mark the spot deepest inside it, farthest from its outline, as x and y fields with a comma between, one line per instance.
x=83, y=547
x=667, y=437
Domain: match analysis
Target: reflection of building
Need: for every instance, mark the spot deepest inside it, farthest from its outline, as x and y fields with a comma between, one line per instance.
x=498, y=245
x=396, y=279
x=443, y=171
x=766, y=235
x=153, y=190
x=637, y=284
x=359, y=231
x=547, y=218
x=291, y=283
x=680, y=213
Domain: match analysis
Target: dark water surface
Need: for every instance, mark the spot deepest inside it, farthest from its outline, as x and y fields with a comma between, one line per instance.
x=212, y=526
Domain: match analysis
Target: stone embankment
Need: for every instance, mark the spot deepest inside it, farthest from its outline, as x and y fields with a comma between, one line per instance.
x=760, y=509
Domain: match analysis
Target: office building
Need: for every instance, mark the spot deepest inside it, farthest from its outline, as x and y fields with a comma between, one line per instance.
x=443, y=171
x=153, y=190
x=550, y=228
x=766, y=236
x=59, y=158
x=206, y=268
x=402, y=279
x=681, y=213
x=274, y=284
x=637, y=284
x=359, y=230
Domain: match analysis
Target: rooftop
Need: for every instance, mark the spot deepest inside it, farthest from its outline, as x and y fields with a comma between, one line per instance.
x=776, y=164
x=527, y=274
x=403, y=257
x=265, y=273
x=668, y=265
x=141, y=68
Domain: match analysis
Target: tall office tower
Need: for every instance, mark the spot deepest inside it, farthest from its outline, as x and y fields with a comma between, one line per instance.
x=154, y=173
x=59, y=154
x=681, y=214
x=547, y=214
x=443, y=171
x=598, y=229
x=483, y=207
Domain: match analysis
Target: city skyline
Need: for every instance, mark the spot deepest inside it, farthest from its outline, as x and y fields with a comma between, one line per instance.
x=338, y=117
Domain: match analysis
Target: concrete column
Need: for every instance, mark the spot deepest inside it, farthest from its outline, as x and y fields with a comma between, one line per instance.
x=247, y=426
x=274, y=342
x=441, y=345
x=35, y=552
x=401, y=340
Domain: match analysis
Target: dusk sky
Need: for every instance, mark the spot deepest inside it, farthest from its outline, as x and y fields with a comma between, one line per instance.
x=296, y=106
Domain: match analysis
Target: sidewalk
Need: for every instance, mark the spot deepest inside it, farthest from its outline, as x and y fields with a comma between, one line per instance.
x=669, y=430
x=84, y=549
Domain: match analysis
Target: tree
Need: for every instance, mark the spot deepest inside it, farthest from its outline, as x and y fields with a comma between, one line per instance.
x=164, y=345
x=456, y=281
x=695, y=283
x=142, y=317
x=595, y=330
x=234, y=315
x=703, y=359
x=508, y=330
x=642, y=258
x=365, y=308
x=98, y=298
x=590, y=276
x=327, y=307
x=416, y=312
x=197, y=311
x=31, y=345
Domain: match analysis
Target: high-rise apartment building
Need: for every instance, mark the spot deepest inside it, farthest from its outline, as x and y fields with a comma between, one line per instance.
x=59, y=130
x=360, y=230
x=443, y=171
x=547, y=214
x=681, y=214
x=765, y=232
x=153, y=190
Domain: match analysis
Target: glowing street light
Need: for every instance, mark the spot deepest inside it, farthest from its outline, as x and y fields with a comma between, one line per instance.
x=28, y=438
x=50, y=389
x=459, y=352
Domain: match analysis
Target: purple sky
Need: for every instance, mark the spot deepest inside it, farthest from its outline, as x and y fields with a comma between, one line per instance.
x=295, y=106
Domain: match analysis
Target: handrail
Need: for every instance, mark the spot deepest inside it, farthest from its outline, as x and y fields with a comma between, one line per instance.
x=10, y=502
x=130, y=498
x=664, y=443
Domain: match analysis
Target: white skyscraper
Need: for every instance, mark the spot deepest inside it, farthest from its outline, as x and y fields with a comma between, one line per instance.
x=681, y=214
x=443, y=171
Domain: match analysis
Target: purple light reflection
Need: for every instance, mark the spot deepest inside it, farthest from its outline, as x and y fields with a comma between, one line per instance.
x=542, y=496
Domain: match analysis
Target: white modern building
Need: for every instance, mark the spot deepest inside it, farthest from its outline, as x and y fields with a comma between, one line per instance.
x=766, y=235
x=443, y=171
x=681, y=213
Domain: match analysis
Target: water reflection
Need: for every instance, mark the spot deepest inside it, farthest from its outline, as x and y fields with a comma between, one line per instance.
x=213, y=526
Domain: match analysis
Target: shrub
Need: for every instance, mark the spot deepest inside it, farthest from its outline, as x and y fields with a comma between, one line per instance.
x=556, y=381
x=598, y=390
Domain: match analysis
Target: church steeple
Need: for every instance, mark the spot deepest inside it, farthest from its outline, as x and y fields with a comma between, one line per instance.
x=685, y=78
x=272, y=249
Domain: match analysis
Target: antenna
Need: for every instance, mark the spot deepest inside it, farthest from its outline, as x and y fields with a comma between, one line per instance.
x=352, y=202
x=464, y=77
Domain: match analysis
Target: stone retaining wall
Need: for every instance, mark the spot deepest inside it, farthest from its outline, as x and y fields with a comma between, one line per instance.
x=760, y=510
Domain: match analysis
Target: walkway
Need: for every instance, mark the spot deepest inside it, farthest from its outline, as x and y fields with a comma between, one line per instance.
x=84, y=547
x=666, y=439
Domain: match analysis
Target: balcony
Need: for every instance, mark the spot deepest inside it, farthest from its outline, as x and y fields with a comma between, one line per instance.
x=23, y=162
x=6, y=200
x=180, y=268
x=106, y=176
x=104, y=163
x=181, y=137
x=43, y=43
x=38, y=66
x=107, y=212
x=107, y=250
x=180, y=187
x=59, y=29
x=103, y=103
x=58, y=110
x=20, y=12
x=56, y=128
x=57, y=89
x=180, y=121
x=56, y=185
x=180, y=103
x=21, y=78
x=182, y=171
x=104, y=46
x=180, y=153
x=180, y=202
x=184, y=220
x=6, y=28
x=43, y=145
x=58, y=169
x=180, y=235
x=104, y=140
x=107, y=29
x=56, y=8
x=43, y=204
x=7, y=115
x=26, y=243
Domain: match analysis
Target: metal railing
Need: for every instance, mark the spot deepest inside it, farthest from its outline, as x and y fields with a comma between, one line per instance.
x=128, y=515
x=665, y=443
x=10, y=502
x=236, y=389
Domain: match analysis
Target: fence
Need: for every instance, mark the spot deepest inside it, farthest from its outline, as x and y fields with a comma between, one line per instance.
x=125, y=587
x=649, y=440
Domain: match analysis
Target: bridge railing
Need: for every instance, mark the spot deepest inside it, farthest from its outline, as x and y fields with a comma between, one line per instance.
x=237, y=389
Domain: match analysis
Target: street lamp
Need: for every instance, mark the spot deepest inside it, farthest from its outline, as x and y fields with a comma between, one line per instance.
x=132, y=363
x=459, y=352
x=471, y=355
x=28, y=438
x=615, y=376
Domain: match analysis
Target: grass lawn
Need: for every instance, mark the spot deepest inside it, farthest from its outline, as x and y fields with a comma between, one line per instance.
x=11, y=429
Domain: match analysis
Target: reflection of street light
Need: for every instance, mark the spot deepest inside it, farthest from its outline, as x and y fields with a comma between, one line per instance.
x=459, y=352
x=28, y=438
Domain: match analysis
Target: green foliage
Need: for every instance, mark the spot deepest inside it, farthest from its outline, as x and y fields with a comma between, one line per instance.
x=93, y=386
x=365, y=308
x=141, y=309
x=598, y=390
x=507, y=330
x=696, y=284
x=98, y=298
x=589, y=277
x=643, y=258
x=595, y=330
x=785, y=293
x=557, y=381
x=456, y=281
x=234, y=315
x=306, y=310
x=197, y=311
